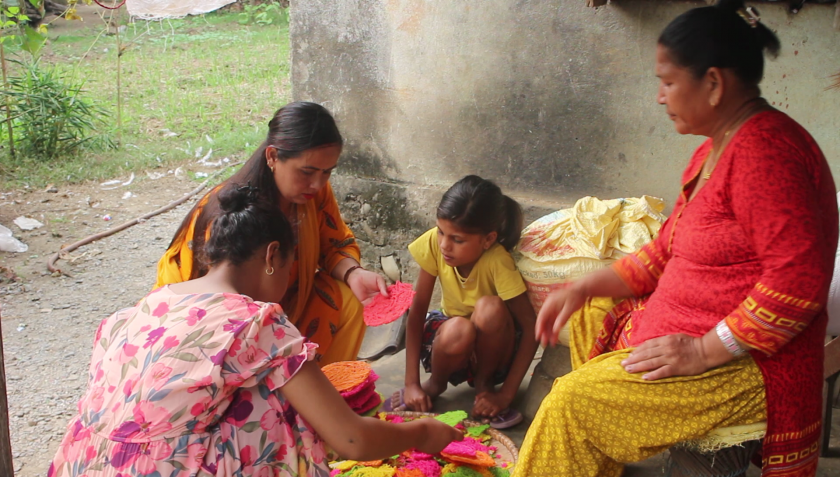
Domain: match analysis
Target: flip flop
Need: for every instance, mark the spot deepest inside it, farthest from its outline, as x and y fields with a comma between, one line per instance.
x=505, y=419
x=399, y=398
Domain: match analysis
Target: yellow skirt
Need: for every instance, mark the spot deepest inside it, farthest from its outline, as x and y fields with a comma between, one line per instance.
x=600, y=416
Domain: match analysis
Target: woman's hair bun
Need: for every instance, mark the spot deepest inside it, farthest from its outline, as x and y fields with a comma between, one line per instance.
x=731, y=6
x=764, y=37
x=246, y=222
x=236, y=198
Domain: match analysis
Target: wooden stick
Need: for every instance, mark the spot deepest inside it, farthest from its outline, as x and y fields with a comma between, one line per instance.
x=6, y=464
x=93, y=238
x=8, y=100
x=119, y=81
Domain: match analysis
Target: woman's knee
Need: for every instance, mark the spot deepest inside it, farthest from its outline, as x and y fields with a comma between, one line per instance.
x=456, y=336
x=491, y=315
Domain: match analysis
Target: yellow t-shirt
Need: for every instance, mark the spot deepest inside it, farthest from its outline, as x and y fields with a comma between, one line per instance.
x=494, y=274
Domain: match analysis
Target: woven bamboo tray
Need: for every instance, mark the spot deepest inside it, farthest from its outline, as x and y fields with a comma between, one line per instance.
x=507, y=450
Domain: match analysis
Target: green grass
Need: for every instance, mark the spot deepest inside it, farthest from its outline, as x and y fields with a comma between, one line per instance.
x=198, y=77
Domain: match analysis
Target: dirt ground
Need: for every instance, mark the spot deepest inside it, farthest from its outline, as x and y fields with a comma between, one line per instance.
x=48, y=322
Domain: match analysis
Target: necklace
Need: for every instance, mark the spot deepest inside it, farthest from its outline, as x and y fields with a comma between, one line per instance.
x=461, y=280
x=709, y=166
x=751, y=107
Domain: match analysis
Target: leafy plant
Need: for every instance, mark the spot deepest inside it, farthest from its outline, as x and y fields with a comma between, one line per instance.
x=15, y=28
x=50, y=116
x=270, y=13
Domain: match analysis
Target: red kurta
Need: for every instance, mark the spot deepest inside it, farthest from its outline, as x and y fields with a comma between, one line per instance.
x=756, y=246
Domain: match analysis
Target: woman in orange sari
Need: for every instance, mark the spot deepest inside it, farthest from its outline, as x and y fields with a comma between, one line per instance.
x=327, y=284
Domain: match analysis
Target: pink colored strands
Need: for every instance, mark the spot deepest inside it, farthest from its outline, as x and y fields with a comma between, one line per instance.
x=467, y=447
x=363, y=397
x=382, y=310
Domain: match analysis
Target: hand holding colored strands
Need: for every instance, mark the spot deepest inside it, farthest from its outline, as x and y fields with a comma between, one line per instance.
x=383, y=310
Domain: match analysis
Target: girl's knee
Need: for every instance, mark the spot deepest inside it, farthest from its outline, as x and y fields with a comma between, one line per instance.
x=491, y=315
x=455, y=337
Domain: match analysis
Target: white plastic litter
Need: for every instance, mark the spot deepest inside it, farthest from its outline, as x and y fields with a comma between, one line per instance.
x=25, y=223
x=127, y=195
x=205, y=160
x=10, y=244
x=157, y=9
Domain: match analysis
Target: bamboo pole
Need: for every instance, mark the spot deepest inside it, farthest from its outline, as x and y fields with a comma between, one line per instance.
x=8, y=100
x=119, y=74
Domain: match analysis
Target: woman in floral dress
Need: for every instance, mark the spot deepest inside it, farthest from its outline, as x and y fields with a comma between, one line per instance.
x=208, y=377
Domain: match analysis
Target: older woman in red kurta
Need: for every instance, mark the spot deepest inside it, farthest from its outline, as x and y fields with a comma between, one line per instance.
x=728, y=319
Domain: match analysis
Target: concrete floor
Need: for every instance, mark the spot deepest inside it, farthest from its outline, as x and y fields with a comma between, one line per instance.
x=391, y=371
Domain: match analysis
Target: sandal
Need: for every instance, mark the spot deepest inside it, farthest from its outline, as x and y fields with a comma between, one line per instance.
x=396, y=402
x=505, y=419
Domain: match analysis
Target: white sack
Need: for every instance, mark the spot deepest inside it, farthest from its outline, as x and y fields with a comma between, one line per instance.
x=157, y=9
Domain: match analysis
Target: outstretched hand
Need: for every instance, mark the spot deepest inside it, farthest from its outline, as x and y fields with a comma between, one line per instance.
x=438, y=435
x=555, y=312
x=672, y=355
x=366, y=285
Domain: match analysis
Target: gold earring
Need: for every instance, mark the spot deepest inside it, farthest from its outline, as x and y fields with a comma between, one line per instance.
x=272, y=168
x=269, y=271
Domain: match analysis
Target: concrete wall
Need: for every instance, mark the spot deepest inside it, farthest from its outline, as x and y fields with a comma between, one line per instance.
x=551, y=99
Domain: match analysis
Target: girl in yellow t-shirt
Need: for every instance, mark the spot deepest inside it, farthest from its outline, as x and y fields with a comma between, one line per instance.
x=484, y=331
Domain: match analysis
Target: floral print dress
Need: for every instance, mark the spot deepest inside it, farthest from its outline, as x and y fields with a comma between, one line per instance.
x=186, y=385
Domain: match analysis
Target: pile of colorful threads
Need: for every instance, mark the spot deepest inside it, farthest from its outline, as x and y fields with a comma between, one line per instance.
x=472, y=457
x=355, y=381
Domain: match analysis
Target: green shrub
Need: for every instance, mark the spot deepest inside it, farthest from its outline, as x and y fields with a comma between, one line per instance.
x=269, y=13
x=50, y=117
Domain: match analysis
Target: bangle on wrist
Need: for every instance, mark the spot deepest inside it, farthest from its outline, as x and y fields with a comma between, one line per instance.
x=351, y=270
x=728, y=339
